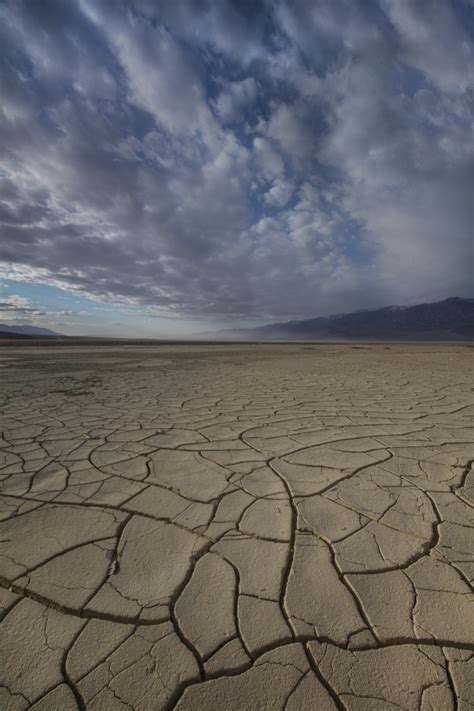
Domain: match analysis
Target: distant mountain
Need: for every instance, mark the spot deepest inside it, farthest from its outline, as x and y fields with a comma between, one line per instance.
x=27, y=330
x=449, y=320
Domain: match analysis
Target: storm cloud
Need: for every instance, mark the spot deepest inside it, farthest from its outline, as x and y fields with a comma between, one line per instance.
x=233, y=160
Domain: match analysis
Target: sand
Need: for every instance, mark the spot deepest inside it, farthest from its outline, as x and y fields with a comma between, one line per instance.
x=237, y=527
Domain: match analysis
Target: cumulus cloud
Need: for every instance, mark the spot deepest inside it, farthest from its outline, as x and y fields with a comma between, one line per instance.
x=225, y=159
x=235, y=98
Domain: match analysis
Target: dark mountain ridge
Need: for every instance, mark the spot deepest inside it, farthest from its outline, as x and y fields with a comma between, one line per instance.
x=27, y=330
x=451, y=319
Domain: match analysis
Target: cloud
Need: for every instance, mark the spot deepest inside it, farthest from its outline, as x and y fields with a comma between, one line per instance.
x=434, y=41
x=229, y=160
x=232, y=102
x=268, y=160
x=158, y=72
x=15, y=308
x=279, y=194
x=290, y=128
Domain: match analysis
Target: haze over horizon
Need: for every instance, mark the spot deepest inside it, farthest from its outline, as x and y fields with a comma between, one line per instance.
x=170, y=168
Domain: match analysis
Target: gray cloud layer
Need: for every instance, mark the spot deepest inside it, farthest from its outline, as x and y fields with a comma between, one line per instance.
x=220, y=159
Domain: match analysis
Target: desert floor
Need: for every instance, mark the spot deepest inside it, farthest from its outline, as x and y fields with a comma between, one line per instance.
x=237, y=527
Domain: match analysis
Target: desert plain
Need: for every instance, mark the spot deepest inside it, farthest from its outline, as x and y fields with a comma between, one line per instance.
x=237, y=527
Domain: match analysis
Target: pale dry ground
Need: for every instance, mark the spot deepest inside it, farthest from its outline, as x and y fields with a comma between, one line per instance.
x=230, y=528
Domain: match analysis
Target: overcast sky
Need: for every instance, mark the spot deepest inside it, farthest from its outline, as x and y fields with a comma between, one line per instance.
x=177, y=165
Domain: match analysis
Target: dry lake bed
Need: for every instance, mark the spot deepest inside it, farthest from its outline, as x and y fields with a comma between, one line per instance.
x=223, y=528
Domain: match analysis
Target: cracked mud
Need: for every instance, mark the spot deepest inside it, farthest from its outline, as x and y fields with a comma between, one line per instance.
x=237, y=527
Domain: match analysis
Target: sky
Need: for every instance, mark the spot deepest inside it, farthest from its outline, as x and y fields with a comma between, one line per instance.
x=169, y=168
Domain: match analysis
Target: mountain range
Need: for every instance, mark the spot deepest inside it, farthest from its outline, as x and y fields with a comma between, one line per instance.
x=26, y=330
x=448, y=320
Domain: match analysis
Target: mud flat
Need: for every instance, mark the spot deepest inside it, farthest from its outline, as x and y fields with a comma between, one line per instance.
x=237, y=527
